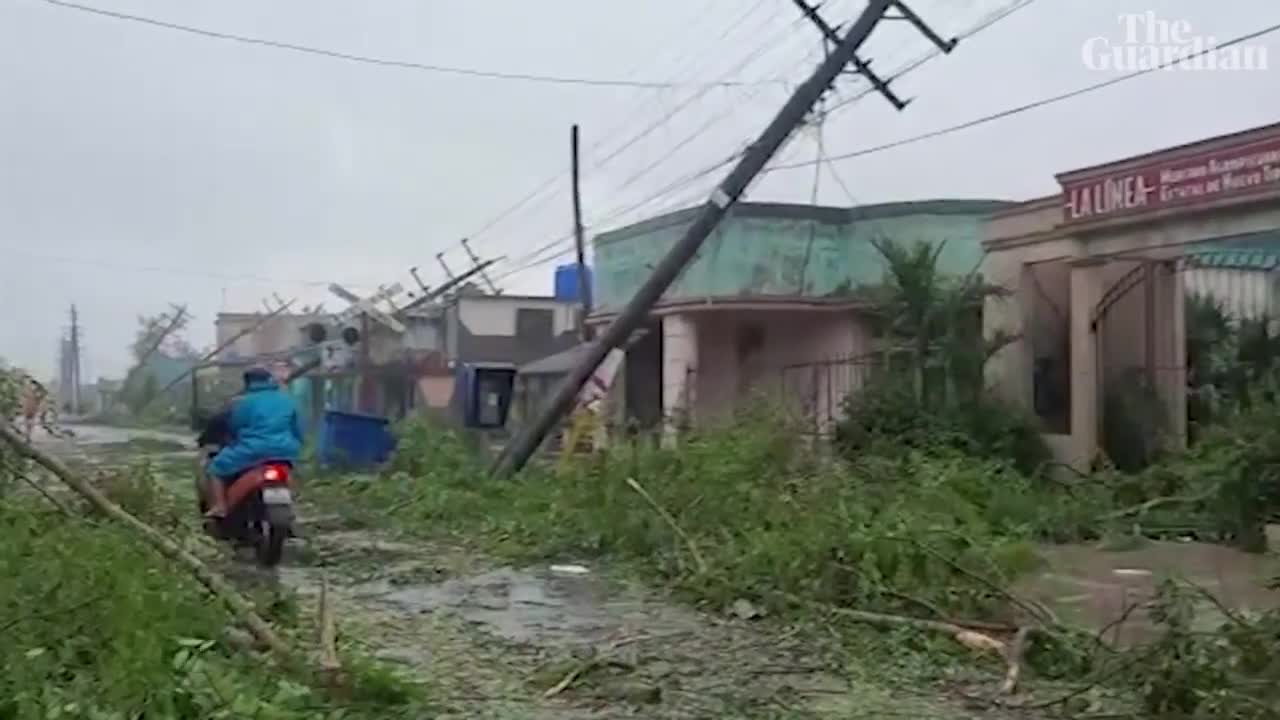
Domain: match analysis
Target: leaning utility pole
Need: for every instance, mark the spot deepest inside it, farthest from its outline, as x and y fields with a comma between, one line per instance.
x=180, y=314
x=476, y=263
x=213, y=354
x=442, y=289
x=584, y=283
x=447, y=272
x=522, y=447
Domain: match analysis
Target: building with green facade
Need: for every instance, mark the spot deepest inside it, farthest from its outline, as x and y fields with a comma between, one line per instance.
x=770, y=301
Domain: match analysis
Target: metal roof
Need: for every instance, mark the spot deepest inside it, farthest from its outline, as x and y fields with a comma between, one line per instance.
x=557, y=364
x=1248, y=251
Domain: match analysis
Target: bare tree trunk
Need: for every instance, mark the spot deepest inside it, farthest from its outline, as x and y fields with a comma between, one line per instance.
x=235, y=603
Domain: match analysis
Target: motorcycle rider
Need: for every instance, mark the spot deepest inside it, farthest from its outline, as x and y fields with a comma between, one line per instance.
x=262, y=424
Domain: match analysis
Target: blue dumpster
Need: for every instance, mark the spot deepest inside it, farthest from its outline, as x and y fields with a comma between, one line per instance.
x=354, y=440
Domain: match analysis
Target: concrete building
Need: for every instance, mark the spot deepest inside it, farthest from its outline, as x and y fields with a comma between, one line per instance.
x=478, y=329
x=278, y=334
x=417, y=368
x=771, y=303
x=1099, y=272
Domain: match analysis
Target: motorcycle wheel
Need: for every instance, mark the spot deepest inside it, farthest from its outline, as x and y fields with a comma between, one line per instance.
x=274, y=532
x=271, y=546
x=200, y=500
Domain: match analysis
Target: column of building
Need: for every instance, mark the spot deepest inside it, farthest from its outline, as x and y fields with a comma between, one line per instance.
x=679, y=372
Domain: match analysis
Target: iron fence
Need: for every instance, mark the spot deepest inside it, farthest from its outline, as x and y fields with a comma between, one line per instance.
x=814, y=393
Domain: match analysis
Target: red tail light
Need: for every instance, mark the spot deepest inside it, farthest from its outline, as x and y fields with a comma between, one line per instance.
x=278, y=474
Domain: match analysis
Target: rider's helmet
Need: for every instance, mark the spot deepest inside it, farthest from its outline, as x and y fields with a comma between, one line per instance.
x=256, y=373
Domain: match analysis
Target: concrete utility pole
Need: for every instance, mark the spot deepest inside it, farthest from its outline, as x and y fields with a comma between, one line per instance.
x=476, y=263
x=75, y=362
x=522, y=447
x=213, y=354
x=455, y=282
x=584, y=283
x=179, y=315
x=416, y=278
x=860, y=66
x=447, y=272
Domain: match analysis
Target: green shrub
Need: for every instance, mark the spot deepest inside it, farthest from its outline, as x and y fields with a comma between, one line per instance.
x=768, y=518
x=96, y=625
x=888, y=410
x=1189, y=673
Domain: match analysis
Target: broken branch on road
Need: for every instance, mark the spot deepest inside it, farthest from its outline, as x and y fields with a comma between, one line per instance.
x=235, y=603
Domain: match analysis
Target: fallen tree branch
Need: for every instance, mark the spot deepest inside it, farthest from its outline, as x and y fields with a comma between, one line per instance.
x=234, y=602
x=1013, y=659
x=1099, y=638
x=581, y=669
x=330, y=663
x=1011, y=651
x=578, y=671
x=47, y=495
x=46, y=614
x=1035, y=610
x=675, y=527
x=931, y=607
x=1152, y=504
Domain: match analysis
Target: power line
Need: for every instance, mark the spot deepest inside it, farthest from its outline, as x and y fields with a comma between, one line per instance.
x=387, y=62
x=109, y=264
x=1031, y=105
x=649, y=129
x=551, y=181
x=527, y=261
x=933, y=52
x=985, y=23
x=991, y=19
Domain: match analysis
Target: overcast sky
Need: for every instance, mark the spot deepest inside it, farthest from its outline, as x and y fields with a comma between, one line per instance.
x=141, y=166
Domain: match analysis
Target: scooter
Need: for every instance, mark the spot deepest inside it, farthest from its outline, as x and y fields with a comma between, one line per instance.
x=260, y=512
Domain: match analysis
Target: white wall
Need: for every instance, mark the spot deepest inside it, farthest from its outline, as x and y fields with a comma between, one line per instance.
x=277, y=334
x=1244, y=293
x=497, y=315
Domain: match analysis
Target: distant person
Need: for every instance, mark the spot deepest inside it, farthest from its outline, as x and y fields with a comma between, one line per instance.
x=261, y=425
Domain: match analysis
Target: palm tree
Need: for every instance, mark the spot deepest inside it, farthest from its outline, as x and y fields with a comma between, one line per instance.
x=937, y=316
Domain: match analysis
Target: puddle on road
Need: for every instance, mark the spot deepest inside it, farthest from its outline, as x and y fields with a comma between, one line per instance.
x=530, y=606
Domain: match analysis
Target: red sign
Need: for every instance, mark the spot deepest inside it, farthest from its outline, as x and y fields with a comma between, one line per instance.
x=1226, y=172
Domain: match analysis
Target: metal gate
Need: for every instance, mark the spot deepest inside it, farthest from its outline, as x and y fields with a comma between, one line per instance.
x=1148, y=322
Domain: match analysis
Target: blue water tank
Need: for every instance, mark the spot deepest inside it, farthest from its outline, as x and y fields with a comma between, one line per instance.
x=567, y=281
x=354, y=440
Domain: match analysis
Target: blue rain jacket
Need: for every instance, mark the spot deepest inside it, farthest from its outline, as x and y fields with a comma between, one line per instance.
x=265, y=425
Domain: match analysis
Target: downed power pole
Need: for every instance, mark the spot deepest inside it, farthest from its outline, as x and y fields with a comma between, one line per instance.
x=525, y=444
x=220, y=347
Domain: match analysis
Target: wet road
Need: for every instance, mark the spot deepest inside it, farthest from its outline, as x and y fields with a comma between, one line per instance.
x=109, y=435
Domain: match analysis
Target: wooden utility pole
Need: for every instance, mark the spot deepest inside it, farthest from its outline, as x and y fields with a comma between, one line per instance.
x=793, y=112
x=584, y=283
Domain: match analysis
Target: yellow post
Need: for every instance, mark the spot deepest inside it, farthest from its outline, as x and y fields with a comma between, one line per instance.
x=581, y=425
